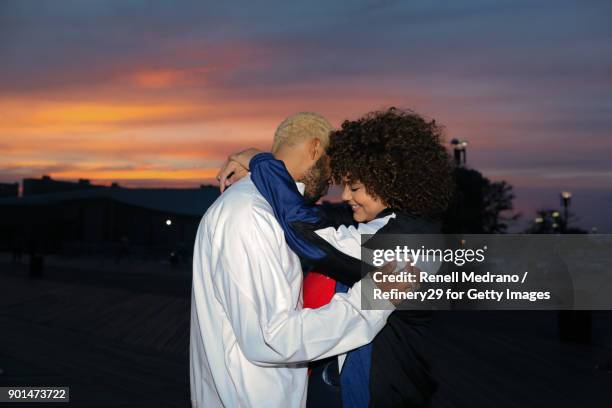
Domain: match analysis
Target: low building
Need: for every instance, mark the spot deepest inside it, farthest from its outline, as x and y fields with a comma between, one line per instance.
x=9, y=190
x=46, y=185
x=105, y=220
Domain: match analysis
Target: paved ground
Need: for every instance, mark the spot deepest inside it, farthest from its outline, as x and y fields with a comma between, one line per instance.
x=118, y=336
x=514, y=359
x=116, y=339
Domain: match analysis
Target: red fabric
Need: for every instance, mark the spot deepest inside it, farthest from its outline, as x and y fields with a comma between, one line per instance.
x=318, y=290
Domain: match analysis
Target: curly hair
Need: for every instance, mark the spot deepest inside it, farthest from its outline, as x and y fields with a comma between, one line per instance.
x=399, y=157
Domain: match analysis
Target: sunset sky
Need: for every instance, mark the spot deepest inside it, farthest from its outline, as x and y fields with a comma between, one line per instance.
x=157, y=93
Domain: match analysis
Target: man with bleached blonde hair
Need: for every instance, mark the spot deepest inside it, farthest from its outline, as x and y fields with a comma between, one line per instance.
x=300, y=126
x=300, y=142
x=250, y=337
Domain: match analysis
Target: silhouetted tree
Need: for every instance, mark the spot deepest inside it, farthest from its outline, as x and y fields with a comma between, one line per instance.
x=498, y=196
x=480, y=206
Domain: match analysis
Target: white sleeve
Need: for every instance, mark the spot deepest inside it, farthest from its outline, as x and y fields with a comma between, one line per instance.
x=269, y=325
x=347, y=239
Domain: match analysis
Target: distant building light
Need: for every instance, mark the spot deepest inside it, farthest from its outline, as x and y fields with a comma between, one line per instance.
x=555, y=225
x=555, y=214
x=539, y=220
x=168, y=222
x=566, y=195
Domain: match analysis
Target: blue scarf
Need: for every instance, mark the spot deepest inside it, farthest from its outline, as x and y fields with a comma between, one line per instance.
x=278, y=188
x=355, y=374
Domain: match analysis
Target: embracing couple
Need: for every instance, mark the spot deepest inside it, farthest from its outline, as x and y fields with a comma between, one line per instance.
x=257, y=322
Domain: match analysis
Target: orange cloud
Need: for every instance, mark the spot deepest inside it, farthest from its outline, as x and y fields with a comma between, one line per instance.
x=139, y=174
x=45, y=118
x=69, y=114
x=136, y=146
x=164, y=78
x=107, y=171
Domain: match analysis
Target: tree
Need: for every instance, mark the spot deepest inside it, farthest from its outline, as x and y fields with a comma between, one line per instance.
x=479, y=206
x=498, y=205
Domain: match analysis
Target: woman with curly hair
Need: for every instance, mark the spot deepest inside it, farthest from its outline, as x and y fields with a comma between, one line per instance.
x=397, y=179
x=397, y=159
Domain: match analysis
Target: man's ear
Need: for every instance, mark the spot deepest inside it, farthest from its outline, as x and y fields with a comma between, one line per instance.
x=315, y=148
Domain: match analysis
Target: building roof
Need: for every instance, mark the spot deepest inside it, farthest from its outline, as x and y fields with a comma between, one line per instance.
x=178, y=201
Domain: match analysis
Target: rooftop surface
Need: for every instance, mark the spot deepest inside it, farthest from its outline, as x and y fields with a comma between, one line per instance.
x=118, y=336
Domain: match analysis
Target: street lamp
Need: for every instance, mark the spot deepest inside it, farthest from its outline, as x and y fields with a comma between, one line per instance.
x=537, y=227
x=460, y=151
x=464, y=144
x=566, y=198
x=168, y=222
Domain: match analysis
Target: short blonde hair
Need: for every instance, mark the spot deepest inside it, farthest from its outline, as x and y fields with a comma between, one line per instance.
x=302, y=126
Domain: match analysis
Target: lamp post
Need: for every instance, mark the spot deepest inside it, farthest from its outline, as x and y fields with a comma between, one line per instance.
x=566, y=198
x=575, y=325
x=171, y=239
x=538, y=221
x=460, y=151
x=555, y=221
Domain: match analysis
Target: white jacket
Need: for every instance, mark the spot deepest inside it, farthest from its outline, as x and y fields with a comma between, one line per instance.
x=250, y=337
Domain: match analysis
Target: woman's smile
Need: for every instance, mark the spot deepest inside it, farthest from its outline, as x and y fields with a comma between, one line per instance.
x=365, y=206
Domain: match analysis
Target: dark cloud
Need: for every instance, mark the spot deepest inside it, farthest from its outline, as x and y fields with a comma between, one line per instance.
x=528, y=83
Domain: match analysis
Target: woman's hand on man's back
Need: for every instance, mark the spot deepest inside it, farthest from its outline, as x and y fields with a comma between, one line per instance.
x=235, y=167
